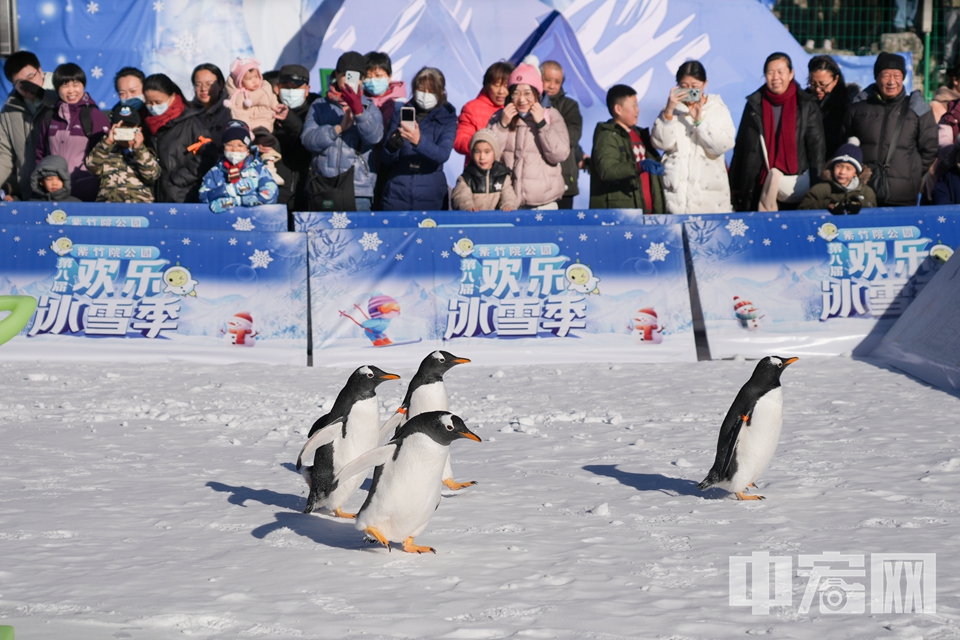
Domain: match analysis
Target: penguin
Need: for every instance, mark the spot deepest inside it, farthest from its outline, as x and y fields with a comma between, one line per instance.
x=349, y=430
x=750, y=431
x=406, y=480
x=427, y=393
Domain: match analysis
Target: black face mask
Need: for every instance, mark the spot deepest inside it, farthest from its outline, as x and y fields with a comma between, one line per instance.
x=32, y=91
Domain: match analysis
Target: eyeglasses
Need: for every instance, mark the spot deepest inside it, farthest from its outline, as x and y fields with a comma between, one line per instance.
x=824, y=86
x=29, y=78
x=203, y=85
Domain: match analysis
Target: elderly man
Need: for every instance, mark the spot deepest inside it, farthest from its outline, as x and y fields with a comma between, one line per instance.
x=897, y=133
x=32, y=95
x=293, y=91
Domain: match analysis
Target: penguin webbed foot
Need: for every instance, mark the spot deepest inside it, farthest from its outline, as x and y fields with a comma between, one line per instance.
x=375, y=537
x=410, y=547
x=343, y=514
x=742, y=496
x=453, y=485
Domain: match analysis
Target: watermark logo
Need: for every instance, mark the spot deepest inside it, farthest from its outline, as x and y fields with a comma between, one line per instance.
x=836, y=582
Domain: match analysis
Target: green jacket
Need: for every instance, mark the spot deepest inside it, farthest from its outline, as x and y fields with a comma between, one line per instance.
x=123, y=177
x=828, y=194
x=615, y=177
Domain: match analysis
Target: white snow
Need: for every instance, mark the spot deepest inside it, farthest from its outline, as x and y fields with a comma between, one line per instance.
x=157, y=500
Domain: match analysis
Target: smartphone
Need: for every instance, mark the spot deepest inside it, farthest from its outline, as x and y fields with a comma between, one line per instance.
x=352, y=78
x=125, y=133
x=408, y=114
x=693, y=95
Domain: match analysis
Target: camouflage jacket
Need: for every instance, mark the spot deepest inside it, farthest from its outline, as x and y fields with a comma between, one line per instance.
x=124, y=177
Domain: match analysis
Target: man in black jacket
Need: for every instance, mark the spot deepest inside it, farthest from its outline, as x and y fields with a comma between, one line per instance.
x=873, y=118
x=293, y=90
x=552, y=74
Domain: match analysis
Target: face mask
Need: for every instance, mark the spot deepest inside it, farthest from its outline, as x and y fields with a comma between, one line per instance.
x=157, y=109
x=134, y=103
x=426, y=101
x=376, y=86
x=235, y=157
x=293, y=98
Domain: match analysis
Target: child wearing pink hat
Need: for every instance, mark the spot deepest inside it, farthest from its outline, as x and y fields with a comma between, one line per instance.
x=250, y=98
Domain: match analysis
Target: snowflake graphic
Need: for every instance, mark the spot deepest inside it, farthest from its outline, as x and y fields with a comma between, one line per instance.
x=398, y=257
x=628, y=235
x=766, y=242
x=243, y=224
x=444, y=254
x=13, y=211
x=538, y=217
x=737, y=227
x=186, y=46
x=172, y=211
x=158, y=6
x=232, y=241
x=783, y=226
x=942, y=219
x=16, y=238
x=92, y=8
x=96, y=72
x=339, y=221
x=658, y=251
x=260, y=258
x=102, y=105
x=811, y=239
x=370, y=241
x=185, y=241
x=419, y=240
x=583, y=237
x=581, y=215
x=41, y=252
x=385, y=221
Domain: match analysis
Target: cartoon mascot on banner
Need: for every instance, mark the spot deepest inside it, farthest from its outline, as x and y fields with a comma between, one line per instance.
x=645, y=327
x=240, y=331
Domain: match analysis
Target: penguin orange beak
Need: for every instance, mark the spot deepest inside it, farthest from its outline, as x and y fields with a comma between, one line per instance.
x=461, y=361
x=790, y=361
x=470, y=435
x=390, y=376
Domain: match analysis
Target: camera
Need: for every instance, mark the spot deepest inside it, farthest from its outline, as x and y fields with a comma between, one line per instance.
x=693, y=95
x=837, y=596
x=125, y=134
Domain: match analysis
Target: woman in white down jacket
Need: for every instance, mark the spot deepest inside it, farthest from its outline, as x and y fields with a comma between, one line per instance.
x=694, y=136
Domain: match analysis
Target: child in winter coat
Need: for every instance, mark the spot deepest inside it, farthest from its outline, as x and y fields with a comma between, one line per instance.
x=486, y=183
x=250, y=98
x=50, y=181
x=127, y=168
x=240, y=179
x=844, y=188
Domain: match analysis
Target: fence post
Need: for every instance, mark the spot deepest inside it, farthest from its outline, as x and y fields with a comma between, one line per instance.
x=927, y=27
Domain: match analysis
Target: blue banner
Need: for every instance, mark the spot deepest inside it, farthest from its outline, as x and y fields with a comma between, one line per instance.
x=501, y=295
x=317, y=220
x=801, y=283
x=160, y=215
x=148, y=294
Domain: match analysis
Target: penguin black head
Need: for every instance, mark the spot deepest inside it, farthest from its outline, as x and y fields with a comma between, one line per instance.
x=438, y=363
x=368, y=377
x=442, y=426
x=769, y=369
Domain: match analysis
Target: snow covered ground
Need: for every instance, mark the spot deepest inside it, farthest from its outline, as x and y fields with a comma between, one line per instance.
x=148, y=501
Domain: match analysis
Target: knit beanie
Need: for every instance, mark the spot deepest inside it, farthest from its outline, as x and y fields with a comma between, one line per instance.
x=351, y=61
x=236, y=130
x=123, y=113
x=889, y=61
x=379, y=303
x=238, y=69
x=526, y=74
x=849, y=152
x=486, y=135
x=263, y=138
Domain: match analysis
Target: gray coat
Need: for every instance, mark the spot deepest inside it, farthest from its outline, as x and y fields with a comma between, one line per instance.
x=333, y=154
x=18, y=142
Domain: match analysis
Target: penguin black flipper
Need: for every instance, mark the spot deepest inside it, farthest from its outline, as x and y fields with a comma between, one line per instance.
x=319, y=438
x=323, y=421
x=726, y=445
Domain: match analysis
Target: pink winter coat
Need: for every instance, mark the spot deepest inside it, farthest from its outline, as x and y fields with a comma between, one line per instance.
x=258, y=114
x=534, y=155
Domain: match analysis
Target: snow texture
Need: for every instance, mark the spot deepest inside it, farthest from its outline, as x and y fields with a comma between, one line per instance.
x=155, y=501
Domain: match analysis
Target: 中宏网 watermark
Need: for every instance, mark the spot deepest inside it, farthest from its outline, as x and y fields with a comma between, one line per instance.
x=837, y=583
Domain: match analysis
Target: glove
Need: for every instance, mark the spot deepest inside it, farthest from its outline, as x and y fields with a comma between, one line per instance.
x=245, y=185
x=652, y=167
x=352, y=99
x=222, y=204
x=394, y=142
x=251, y=200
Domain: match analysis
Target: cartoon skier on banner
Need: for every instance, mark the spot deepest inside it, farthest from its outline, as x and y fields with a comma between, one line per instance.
x=746, y=313
x=382, y=309
x=240, y=331
x=644, y=327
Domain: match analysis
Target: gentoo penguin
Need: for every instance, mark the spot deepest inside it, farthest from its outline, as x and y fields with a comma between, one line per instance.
x=427, y=393
x=750, y=431
x=350, y=429
x=406, y=481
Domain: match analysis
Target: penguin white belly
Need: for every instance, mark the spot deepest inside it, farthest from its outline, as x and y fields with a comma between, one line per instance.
x=363, y=434
x=408, y=490
x=428, y=397
x=758, y=441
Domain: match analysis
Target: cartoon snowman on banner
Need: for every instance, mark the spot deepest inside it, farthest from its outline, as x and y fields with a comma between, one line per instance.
x=645, y=327
x=747, y=315
x=240, y=331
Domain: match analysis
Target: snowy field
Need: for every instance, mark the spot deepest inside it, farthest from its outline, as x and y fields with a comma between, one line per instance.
x=150, y=501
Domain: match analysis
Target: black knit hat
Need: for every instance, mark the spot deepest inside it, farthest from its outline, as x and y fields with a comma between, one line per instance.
x=236, y=130
x=889, y=61
x=263, y=138
x=126, y=115
x=351, y=61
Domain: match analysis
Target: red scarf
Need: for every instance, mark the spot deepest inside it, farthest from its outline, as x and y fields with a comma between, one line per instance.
x=782, y=148
x=155, y=123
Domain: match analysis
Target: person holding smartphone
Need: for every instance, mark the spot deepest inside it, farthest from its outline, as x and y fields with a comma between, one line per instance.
x=126, y=167
x=694, y=131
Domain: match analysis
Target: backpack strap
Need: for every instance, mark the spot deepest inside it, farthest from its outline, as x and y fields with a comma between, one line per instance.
x=86, y=120
x=896, y=133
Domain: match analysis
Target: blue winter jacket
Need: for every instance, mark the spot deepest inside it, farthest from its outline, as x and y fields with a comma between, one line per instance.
x=333, y=154
x=415, y=178
x=255, y=187
x=947, y=190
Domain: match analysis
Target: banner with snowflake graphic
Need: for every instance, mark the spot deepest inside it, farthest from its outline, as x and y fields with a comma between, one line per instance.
x=811, y=283
x=153, y=294
x=501, y=295
x=270, y=217
x=317, y=220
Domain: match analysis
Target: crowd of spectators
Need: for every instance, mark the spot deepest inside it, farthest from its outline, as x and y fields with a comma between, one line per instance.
x=374, y=143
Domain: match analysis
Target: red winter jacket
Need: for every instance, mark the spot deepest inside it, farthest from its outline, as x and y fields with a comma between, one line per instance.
x=474, y=116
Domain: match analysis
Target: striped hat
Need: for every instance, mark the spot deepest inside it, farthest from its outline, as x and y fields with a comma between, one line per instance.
x=849, y=152
x=380, y=304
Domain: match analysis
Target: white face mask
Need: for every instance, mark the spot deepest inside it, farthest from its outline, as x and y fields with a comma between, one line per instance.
x=235, y=157
x=426, y=101
x=293, y=98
